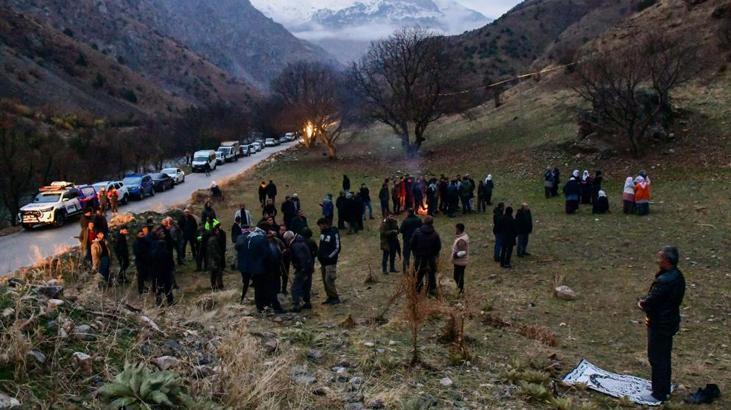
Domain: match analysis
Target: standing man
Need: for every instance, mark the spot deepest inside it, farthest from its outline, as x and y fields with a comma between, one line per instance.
x=289, y=210
x=253, y=254
x=162, y=267
x=509, y=233
x=389, y=243
x=100, y=257
x=426, y=246
x=346, y=183
x=524, y=227
x=365, y=195
x=383, y=196
x=328, y=209
x=216, y=254
x=460, y=256
x=189, y=226
x=327, y=254
x=113, y=197
x=121, y=250
x=246, y=220
x=340, y=204
x=497, y=218
x=407, y=229
x=142, y=249
x=303, y=269
x=271, y=191
x=662, y=307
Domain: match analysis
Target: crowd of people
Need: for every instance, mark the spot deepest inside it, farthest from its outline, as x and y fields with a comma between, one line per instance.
x=585, y=189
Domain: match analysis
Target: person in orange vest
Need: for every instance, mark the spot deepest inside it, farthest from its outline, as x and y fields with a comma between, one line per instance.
x=113, y=198
x=642, y=195
x=102, y=198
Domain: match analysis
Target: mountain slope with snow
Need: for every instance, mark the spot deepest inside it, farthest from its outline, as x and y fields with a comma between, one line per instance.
x=346, y=27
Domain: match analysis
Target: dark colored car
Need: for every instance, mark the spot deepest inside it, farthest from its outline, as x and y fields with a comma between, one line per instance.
x=87, y=196
x=139, y=185
x=162, y=182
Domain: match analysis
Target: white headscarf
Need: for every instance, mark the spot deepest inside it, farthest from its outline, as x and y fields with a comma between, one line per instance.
x=575, y=174
x=629, y=186
x=585, y=175
x=489, y=177
x=602, y=194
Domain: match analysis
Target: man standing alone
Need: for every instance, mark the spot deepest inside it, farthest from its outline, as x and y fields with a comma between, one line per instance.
x=662, y=307
x=327, y=254
x=524, y=227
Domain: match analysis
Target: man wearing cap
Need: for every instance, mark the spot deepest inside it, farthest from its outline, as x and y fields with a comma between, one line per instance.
x=327, y=255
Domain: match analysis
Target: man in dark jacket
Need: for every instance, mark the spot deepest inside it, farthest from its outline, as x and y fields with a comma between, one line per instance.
x=274, y=272
x=662, y=308
x=236, y=229
x=242, y=261
x=497, y=218
x=365, y=195
x=303, y=263
x=509, y=232
x=426, y=246
x=163, y=266
x=142, y=250
x=340, y=205
x=327, y=255
x=121, y=249
x=272, y=192
x=489, y=187
x=253, y=254
x=289, y=211
x=208, y=214
x=524, y=227
x=298, y=223
x=407, y=229
x=189, y=227
x=389, y=243
x=383, y=196
x=346, y=183
x=216, y=255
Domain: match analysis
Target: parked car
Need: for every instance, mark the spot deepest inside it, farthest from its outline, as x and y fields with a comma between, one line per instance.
x=230, y=150
x=87, y=196
x=256, y=146
x=139, y=186
x=245, y=150
x=162, y=182
x=220, y=157
x=270, y=142
x=176, y=174
x=52, y=205
x=289, y=137
x=122, y=192
x=204, y=161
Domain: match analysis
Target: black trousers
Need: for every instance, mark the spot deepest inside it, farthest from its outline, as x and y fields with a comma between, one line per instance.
x=193, y=247
x=265, y=291
x=246, y=280
x=426, y=267
x=459, y=277
x=659, y=347
x=506, y=252
x=142, y=276
x=163, y=285
x=388, y=261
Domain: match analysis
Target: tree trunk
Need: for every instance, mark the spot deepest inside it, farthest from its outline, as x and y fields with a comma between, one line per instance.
x=331, y=151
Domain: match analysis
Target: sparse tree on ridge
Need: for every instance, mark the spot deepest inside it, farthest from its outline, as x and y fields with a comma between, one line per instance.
x=402, y=81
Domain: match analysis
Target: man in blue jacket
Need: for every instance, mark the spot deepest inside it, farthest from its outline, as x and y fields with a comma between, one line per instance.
x=327, y=255
x=253, y=253
x=662, y=308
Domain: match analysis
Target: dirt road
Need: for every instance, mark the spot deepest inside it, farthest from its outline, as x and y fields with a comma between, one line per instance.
x=26, y=248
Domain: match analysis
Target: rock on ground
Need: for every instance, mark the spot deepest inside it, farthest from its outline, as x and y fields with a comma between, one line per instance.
x=564, y=292
x=82, y=362
x=7, y=402
x=166, y=362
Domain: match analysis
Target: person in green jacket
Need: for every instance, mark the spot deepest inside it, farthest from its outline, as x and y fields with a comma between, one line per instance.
x=389, y=231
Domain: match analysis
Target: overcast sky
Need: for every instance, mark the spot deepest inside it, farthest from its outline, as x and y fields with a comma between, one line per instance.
x=490, y=8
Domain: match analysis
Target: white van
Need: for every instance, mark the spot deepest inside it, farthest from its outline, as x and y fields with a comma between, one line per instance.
x=231, y=150
x=204, y=161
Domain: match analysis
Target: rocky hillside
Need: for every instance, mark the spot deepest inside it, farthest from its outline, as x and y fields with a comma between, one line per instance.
x=129, y=59
x=534, y=30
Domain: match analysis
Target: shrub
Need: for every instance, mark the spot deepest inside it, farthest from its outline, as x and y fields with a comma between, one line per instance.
x=137, y=387
x=129, y=95
x=99, y=81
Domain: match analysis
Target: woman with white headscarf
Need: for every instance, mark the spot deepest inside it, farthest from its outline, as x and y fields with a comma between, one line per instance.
x=601, y=203
x=628, y=196
x=642, y=195
x=572, y=193
x=587, y=187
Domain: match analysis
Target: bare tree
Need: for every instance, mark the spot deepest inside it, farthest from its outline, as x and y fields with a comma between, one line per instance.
x=312, y=95
x=629, y=89
x=402, y=81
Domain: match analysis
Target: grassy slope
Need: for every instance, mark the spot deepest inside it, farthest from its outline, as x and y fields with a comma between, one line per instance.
x=608, y=260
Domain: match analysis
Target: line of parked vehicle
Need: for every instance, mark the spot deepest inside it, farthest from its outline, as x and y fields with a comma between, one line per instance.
x=56, y=203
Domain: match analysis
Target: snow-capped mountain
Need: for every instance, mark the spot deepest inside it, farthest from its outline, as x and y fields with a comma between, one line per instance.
x=346, y=27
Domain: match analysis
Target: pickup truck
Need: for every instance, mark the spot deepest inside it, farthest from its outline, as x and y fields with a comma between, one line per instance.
x=52, y=205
